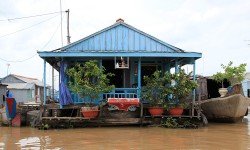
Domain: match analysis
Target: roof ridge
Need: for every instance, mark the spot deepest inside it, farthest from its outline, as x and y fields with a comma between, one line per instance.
x=24, y=77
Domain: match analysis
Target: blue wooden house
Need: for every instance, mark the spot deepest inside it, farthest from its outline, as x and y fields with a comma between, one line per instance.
x=127, y=52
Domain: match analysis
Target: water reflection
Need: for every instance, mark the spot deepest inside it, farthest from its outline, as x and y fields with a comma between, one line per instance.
x=29, y=143
x=216, y=135
x=246, y=120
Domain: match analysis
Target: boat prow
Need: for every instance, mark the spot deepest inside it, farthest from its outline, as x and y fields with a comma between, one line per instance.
x=3, y=118
x=226, y=109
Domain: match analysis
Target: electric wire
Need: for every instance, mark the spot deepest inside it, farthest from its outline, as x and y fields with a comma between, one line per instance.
x=31, y=16
x=52, y=36
x=27, y=27
x=17, y=61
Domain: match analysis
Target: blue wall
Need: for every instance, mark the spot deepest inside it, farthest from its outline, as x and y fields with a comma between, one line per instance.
x=121, y=38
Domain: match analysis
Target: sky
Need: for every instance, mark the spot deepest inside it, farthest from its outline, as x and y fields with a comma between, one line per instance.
x=219, y=29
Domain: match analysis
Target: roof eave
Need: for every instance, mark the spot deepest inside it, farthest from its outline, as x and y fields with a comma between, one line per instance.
x=113, y=54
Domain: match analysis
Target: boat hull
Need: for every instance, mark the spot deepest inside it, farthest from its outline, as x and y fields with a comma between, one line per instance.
x=3, y=117
x=227, y=109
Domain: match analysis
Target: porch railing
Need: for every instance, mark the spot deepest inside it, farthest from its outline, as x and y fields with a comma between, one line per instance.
x=122, y=93
x=116, y=93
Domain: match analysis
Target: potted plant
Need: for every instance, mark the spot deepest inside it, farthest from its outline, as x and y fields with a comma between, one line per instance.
x=235, y=75
x=177, y=108
x=89, y=81
x=181, y=90
x=156, y=91
x=219, y=77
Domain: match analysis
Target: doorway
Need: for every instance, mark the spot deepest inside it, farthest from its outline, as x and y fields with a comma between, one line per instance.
x=117, y=79
x=147, y=70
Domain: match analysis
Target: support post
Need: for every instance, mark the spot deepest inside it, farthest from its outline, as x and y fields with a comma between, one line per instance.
x=163, y=66
x=60, y=80
x=132, y=72
x=176, y=66
x=53, y=82
x=139, y=77
x=44, y=82
x=59, y=86
x=100, y=63
x=68, y=36
x=167, y=66
x=194, y=78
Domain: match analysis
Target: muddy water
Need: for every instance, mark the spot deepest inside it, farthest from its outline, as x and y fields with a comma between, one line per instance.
x=215, y=136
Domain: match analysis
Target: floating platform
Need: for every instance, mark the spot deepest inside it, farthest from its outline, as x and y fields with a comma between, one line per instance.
x=135, y=114
x=55, y=117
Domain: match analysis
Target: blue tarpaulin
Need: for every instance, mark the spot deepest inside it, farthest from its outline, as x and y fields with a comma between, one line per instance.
x=65, y=96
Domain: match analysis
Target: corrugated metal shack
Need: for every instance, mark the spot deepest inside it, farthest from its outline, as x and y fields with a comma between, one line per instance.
x=24, y=89
x=3, y=89
x=246, y=85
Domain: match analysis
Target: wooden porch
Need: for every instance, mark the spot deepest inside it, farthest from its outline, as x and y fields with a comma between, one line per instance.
x=71, y=116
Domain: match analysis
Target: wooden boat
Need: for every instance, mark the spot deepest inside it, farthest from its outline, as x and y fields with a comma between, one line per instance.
x=3, y=117
x=10, y=115
x=18, y=120
x=9, y=111
x=226, y=109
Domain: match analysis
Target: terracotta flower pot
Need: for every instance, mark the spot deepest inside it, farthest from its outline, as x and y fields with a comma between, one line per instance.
x=156, y=111
x=90, y=113
x=175, y=111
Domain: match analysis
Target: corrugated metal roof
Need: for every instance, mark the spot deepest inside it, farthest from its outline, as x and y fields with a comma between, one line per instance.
x=3, y=84
x=29, y=80
x=20, y=85
x=26, y=80
x=121, y=37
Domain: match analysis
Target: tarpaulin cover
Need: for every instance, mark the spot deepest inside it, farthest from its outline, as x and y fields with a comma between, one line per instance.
x=10, y=108
x=65, y=96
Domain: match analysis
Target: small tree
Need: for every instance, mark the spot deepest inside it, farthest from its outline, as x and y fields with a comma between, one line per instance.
x=156, y=89
x=183, y=87
x=89, y=80
x=219, y=77
x=235, y=75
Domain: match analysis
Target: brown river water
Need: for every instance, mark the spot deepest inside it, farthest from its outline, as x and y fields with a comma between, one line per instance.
x=214, y=136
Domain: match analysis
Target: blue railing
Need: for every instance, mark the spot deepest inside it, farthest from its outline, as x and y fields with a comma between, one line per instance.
x=122, y=93
x=116, y=93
